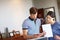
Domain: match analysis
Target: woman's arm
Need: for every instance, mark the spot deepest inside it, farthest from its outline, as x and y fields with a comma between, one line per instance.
x=57, y=37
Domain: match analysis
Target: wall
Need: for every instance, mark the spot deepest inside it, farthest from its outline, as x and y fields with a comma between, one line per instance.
x=58, y=1
x=13, y=13
x=46, y=4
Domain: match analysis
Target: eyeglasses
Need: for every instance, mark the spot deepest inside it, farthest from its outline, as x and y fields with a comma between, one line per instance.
x=49, y=18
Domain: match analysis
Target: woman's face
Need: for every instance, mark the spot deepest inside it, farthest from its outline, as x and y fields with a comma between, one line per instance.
x=49, y=19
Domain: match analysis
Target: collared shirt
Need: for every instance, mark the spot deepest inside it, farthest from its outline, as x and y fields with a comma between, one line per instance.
x=55, y=29
x=32, y=26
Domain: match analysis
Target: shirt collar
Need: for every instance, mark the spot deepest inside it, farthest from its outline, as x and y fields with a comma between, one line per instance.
x=54, y=24
x=31, y=19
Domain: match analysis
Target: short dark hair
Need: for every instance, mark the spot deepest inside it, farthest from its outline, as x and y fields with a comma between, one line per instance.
x=51, y=13
x=33, y=10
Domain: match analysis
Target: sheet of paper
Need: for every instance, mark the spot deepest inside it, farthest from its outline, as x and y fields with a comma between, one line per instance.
x=47, y=28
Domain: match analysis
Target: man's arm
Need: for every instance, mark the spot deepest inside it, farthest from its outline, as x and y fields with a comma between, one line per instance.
x=26, y=36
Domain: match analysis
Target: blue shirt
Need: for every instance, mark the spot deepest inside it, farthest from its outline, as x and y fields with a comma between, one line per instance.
x=55, y=29
x=31, y=26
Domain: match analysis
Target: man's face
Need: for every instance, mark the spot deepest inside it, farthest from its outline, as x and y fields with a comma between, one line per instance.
x=49, y=19
x=34, y=16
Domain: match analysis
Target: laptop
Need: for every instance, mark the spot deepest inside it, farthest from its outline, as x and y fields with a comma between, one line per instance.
x=40, y=38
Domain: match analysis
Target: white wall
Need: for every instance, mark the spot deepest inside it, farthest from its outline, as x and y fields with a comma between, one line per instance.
x=58, y=1
x=59, y=12
x=13, y=13
x=46, y=4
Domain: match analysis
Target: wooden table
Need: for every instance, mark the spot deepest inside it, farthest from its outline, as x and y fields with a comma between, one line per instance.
x=13, y=38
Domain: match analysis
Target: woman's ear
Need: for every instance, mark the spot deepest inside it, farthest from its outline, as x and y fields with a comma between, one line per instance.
x=53, y=19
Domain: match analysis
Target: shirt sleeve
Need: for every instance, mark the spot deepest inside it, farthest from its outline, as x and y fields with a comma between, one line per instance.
x=57, y=30
x=25, y=25
x=57, y=33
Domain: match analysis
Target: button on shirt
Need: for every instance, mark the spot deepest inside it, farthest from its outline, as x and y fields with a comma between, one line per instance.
x=55, y=29
x=31, y=26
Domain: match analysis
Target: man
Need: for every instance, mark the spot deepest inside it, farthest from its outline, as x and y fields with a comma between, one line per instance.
x=50, y=19
x=31, y=25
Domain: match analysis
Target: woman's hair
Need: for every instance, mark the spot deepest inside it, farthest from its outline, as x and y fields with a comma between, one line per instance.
x=51, y=13
x=33, y=10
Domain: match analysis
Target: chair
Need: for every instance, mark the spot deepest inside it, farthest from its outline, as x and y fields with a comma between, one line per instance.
x=0, y=36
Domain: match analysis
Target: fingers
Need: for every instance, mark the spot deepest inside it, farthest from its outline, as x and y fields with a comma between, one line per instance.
x=39, y=35
x=44, y=33
x=36, y=35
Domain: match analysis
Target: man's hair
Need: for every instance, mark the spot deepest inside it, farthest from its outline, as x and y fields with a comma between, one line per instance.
x=33, y=10
x=51, y=13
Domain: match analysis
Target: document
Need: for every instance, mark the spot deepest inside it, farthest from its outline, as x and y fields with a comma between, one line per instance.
x=47, y=28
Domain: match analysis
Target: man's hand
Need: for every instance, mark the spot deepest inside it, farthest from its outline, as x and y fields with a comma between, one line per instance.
x=42, y=34
x=39, y=35
x=36, y=35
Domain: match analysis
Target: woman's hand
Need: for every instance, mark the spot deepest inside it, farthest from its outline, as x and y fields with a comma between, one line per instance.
x=57, y=37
